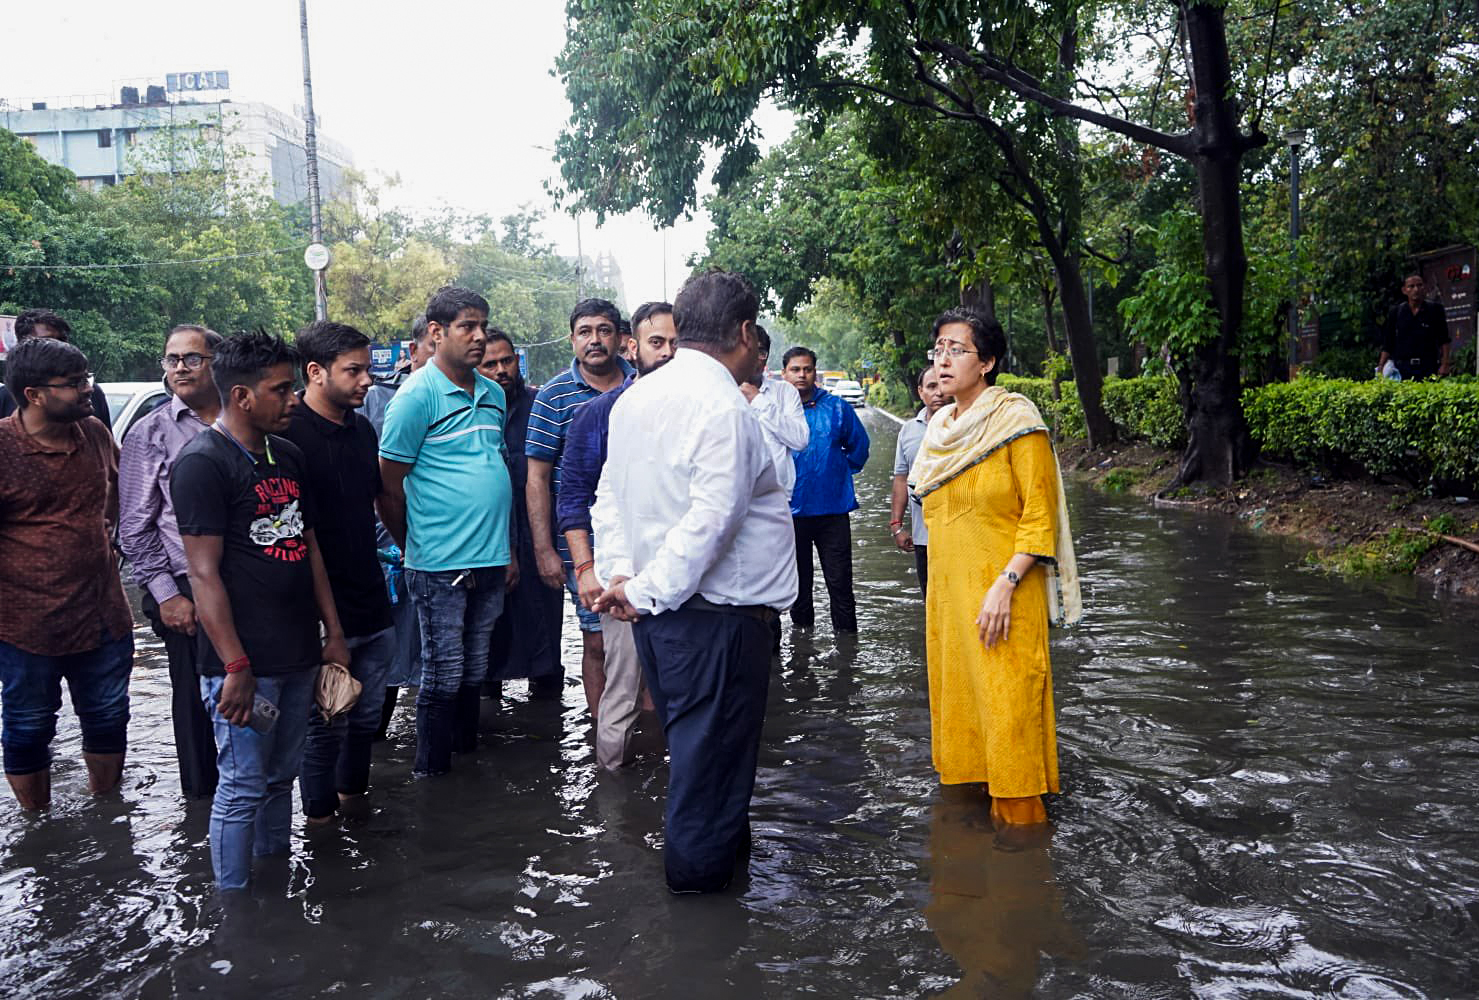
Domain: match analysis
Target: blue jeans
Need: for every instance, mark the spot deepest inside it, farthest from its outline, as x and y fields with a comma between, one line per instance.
x=589, y=620
x=336, y=756
x=252, y=814
x=456, y=628
x=31, y=685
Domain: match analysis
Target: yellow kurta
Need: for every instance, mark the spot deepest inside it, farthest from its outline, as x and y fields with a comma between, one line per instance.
x=991, y=710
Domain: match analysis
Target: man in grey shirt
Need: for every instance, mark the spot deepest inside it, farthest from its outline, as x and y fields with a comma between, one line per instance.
x=914, y=538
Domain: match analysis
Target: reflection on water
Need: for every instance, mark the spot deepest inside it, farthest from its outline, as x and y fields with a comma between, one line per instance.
x=1268, y=786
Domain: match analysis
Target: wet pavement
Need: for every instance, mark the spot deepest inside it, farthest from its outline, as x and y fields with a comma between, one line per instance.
x=1268, y=785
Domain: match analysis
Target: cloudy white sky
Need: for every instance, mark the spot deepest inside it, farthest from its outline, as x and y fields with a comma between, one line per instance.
x=455, y=96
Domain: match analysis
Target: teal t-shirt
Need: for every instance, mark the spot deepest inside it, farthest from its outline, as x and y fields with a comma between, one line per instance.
x=458, y=494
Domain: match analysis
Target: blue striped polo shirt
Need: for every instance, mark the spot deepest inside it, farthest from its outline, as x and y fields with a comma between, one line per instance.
x=553, y=410
x=458, y=493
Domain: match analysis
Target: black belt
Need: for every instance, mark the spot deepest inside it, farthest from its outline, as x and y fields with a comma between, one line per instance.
x=760, y=612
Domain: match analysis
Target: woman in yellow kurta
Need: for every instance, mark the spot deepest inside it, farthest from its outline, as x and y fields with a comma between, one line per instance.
x=1001, y=565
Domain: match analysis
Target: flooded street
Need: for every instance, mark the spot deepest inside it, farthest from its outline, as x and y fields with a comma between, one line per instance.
x=1269, y=790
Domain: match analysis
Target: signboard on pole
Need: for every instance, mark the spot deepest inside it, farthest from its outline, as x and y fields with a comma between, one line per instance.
x=1451, y=272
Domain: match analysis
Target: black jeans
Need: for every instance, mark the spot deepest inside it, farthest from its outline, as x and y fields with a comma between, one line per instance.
x=832, y=536
x=708, y=672
x=922, y=564
x=195, y=738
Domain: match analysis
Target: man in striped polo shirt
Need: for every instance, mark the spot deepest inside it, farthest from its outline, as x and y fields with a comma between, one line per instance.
x=595, y=339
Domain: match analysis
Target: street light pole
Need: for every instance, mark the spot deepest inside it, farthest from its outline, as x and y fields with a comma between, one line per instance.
x=1295, y=138
x=310, y=145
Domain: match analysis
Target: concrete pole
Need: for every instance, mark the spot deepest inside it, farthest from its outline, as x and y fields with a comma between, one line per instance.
x=310, y=144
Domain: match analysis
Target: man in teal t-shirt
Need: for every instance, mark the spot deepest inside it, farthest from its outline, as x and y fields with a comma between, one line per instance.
x=447, y=504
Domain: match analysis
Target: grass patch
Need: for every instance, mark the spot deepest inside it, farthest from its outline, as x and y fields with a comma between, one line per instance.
x=1397, y=551
x=1119, y=480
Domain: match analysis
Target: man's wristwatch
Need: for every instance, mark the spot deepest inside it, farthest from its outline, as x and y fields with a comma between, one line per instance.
x=1011, y=576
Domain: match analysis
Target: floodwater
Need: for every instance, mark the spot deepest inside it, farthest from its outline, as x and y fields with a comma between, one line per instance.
x=1269, y=790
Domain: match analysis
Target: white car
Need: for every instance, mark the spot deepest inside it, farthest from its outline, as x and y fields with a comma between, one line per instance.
x=851, y=392
x=130, y=402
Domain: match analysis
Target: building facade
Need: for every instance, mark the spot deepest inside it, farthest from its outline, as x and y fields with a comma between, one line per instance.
x=104, y=144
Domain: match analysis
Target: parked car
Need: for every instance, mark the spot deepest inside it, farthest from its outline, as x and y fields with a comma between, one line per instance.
x=130, y=402
x=851, y=392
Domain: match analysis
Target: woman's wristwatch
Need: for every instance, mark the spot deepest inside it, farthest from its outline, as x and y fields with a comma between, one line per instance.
x=1011, y=576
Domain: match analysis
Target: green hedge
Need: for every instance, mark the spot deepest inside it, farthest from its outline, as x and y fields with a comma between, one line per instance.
x=1144, y=409
x=1422, y=431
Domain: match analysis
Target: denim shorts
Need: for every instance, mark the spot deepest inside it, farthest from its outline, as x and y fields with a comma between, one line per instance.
x=590, y=621
x=31, y=697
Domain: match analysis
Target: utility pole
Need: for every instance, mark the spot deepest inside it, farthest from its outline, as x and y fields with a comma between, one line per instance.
x=1295, y=138
x=310, y=144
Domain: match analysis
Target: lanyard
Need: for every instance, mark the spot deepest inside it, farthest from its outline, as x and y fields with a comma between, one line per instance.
x=266, y=442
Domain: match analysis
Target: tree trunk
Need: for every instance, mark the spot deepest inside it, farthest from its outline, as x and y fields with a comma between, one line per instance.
x=980, y=296
x=1219, y=448
x=1082, y=350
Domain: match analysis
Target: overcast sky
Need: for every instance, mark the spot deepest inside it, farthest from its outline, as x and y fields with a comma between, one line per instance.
x=455, y=97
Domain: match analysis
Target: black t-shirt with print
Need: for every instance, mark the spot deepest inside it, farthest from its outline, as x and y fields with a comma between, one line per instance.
x=261, y=510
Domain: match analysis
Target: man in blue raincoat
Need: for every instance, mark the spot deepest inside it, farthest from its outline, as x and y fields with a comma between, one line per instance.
x=824, y=495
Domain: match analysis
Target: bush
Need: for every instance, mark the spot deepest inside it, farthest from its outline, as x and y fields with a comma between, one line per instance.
x=892, y=397
x=1426, y=432
x=1147, y=408
x=1143, y=409
x=1343, y=362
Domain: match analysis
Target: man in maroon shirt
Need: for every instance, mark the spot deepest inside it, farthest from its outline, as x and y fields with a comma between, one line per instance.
x=62, y=610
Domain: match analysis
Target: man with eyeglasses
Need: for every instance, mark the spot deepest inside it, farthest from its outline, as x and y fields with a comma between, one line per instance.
x=823, y=496
x=596, y=340
x=64, y=614
x=49, y=326
x=150, y=538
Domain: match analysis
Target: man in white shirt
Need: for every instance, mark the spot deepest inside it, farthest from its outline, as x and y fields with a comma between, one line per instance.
x=697, y=549
x=778, y=405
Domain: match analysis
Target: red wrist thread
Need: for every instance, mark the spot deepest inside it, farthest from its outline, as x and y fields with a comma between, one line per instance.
x=238, y=665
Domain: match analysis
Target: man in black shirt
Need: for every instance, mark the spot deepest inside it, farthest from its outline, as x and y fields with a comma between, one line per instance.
x=246, y=520
x=1416, y=338
x=44, y=323
x=343, y=469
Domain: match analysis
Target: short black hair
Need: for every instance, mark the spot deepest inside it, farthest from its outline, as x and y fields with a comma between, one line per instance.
x=27, y=322
x=595, y=307
x=647, y=310
x=321, y=342
x=419, y=329
x=35, y=360
x=713, y=307
x=243, y=358
x=447, y=303
x=919, y=381
x=763, y=336
x=797, y=352
x=496, y=334
x=212, y=338
x=989, y=338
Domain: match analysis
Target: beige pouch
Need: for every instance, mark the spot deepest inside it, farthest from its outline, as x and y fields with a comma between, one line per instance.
x=337, y=690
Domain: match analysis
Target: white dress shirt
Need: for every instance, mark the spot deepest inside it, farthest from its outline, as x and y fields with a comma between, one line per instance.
x=689, y=501
x=778, y=405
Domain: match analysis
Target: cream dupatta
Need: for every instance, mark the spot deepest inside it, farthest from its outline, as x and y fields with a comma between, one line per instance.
x=954, y=443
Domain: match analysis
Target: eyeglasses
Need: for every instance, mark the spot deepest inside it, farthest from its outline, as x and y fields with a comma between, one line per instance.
x=81, y=384
x=192, y=362
x=953, y=351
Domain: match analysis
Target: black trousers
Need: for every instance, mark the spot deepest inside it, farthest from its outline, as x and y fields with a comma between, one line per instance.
x=832, y=536
x=195, y=739
x=708, y=672
x=922, y=564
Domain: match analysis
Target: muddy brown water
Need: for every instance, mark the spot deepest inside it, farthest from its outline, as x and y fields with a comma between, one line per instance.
x=1269, y=790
